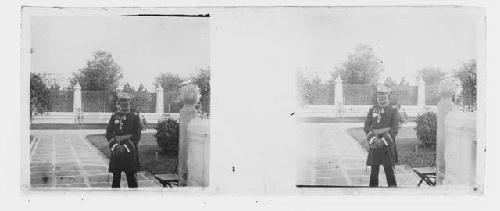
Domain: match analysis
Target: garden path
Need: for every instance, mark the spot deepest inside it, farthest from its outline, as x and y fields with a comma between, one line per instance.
x=329, y=156
x=64, y=158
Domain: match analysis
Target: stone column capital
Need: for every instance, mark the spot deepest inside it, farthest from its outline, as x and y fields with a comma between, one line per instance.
x=77, y=86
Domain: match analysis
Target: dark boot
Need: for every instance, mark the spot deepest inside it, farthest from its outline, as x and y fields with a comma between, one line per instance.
x=374, y=176
x=389, y=175
x=132, y=180
x=116, y=179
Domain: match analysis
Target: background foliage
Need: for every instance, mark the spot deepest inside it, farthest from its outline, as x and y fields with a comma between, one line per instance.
x=467, y=74
x=39, y=94
x=430, y=75
x=101, y=73
x=202, y=80
x=362, y=67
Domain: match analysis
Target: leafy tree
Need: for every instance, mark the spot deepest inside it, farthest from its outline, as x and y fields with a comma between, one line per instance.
x=390, y=83
x=362, y=67
x=101, y=73
x=400, y=91
x=404, y=83
x=50, y=80
x=468, y=76
x=311, y=90
x=170, y=82
x=141, y=88
x=55, y=87
x=202, y=80
x=39, y=94
x=430, y=75
x=127, y=88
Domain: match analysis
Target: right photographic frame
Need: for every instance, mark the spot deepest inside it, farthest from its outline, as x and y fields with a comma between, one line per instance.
x=391, y=97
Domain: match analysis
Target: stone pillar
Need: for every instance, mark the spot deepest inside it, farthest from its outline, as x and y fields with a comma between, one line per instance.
x=188, y=98
x=421, y=94
x=445, y=105
x=458, y=92
x=159, y=100
x=77, y=98
x=339, y=92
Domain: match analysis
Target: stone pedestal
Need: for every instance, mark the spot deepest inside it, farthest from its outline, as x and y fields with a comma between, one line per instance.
x=421, y=94
x=198, y=152
x=339, y=92
x=460, y=154
x=77, y=98
x=159, y=100
x=445, y=105
x=188, y=97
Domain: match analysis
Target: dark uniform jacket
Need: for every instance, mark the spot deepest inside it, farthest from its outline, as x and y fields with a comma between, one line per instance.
x=121, y=124
x=382, y=122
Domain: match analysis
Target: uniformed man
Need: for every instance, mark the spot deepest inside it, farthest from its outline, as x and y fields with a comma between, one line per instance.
x=123, y=134
x=381, y=128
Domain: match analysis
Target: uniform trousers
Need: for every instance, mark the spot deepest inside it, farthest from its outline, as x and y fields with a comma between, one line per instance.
x=389, y=174
x=131, y=180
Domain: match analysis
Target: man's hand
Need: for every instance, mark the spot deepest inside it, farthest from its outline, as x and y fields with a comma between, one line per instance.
x=372, y=140
x=112, y=142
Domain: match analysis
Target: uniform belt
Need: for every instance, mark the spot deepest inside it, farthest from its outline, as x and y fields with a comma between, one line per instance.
x=123, y=137
x=381, y=130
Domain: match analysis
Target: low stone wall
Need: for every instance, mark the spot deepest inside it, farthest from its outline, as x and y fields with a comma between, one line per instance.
x=198, y=139
x=333, y=111
x=89, y=118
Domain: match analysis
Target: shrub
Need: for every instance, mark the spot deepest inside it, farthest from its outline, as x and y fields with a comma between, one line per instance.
x=167, y=136
x=427, y=128
x=468, y=76
x=39, y=94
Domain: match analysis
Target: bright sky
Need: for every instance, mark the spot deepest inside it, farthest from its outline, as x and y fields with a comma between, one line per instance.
x=406, y=39
x=143, y=46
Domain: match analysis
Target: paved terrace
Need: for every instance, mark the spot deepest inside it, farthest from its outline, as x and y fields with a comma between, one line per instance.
x=64, y=158
x=331, y=157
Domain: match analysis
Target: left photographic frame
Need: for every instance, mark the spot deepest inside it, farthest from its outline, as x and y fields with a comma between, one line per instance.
x=117, y=97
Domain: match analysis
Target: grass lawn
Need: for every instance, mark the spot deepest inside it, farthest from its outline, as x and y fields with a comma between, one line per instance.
x=406, y=142
x=164, y=164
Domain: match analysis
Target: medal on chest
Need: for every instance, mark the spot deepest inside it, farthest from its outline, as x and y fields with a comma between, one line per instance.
x=377, y=114
x=119, y=121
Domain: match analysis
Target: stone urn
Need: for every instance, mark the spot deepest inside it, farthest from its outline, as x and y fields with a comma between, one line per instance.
x=189, y=94
x=447, y=88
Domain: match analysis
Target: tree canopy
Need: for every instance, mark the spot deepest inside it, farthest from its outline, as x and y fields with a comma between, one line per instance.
x=389, y=82
x=362, y=67
x=467, y=74
x=202, y=80
x=170, y=82
x=39, y=94
x=404, y=83
x=128, y=88
x=101, y=73
x=313, y=90
x=430, y=75
x=141, y=88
